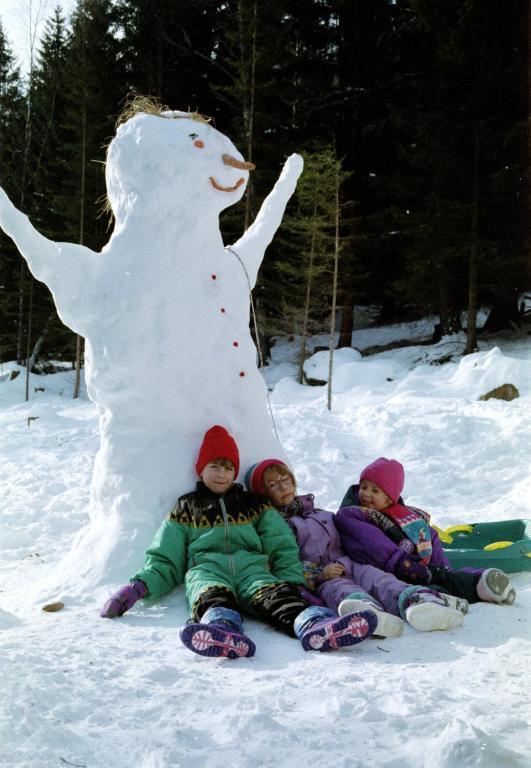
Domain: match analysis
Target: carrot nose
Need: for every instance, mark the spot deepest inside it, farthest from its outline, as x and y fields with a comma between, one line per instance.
x=229, y=160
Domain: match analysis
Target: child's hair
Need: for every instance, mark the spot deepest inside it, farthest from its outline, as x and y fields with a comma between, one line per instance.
x=388, y=474
x=279, y=469
x=255, y=476
x=222, y=462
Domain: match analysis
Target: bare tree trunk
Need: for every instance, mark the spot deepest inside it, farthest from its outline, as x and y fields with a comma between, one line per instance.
x=309, y=281
x=28, y=345
x=40, y=341
x=347, y=322
x=79, y=340
x=334, y=295
x=471, y=340
x=25, y=162
x=20, y=319
x=250, y=101
x=34, y=18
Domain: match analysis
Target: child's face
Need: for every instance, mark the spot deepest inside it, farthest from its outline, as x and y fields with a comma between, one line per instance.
x=218, y=476
x=371, y=495
x=279, y=488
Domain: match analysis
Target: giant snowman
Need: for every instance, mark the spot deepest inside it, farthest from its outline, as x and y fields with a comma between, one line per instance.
x=164, y=309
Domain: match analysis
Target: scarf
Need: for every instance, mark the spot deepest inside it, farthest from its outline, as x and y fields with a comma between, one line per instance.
x=414, y=526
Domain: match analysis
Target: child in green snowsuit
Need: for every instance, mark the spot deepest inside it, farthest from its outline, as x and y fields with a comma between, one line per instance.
x=233, y=552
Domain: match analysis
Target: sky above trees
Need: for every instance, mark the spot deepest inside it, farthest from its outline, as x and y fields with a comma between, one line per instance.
x=16, y=16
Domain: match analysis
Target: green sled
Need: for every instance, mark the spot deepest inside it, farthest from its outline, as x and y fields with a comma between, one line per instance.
x=468, y=541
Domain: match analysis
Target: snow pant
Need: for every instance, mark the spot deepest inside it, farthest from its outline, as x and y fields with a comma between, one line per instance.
x=367, y=583
x=276, y=604
x=303, y=622
x=458, y=583
x=241, y=575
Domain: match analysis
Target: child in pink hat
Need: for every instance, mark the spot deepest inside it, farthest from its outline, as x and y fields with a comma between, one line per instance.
x=377, y=528
x=342, y=584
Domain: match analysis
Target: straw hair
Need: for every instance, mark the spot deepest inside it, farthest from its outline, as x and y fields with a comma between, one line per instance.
x=137, y=104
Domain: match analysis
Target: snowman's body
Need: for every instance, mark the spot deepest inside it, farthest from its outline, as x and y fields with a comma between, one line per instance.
x=164, y=309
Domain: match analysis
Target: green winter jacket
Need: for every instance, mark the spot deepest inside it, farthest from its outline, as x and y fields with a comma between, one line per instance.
x=234, y=541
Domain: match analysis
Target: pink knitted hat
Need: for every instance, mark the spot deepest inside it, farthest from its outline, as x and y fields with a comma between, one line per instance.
x=388, y=474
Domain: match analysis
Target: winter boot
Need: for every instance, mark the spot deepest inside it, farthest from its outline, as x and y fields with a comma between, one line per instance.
x=219, y=634
x=388, y=625
x=494, y=587
x=320, y=629
x=429, y=611
x=451, y=601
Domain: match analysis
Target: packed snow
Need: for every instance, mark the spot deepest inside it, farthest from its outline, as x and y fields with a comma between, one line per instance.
x=82, y=691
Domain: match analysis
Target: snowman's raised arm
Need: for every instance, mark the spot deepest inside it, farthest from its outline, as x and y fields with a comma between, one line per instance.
x=64, y=267
x=252, y=244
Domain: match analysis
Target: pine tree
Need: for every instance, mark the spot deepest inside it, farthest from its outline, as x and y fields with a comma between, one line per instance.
x=166, y=50
x=308, y=247
x=457, y=131
x=94, y=88
x=12, y=112
x=47, y=177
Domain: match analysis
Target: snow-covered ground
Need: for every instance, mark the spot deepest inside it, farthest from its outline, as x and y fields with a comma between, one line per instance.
x=82, y=691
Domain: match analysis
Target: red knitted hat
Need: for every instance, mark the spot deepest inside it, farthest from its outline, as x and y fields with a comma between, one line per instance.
x=217, y=444
x=386, y=473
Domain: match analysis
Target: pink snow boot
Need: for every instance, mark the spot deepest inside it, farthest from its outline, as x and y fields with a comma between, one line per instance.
x=212, y=640
x=334, y=633
x=220, y=633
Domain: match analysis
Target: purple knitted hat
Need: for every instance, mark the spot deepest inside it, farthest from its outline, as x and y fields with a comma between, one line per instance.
x=388, y=474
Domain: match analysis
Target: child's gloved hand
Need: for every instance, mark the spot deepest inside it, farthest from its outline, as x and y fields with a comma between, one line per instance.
x=409, y=568
x=123, y=599
x=333, y=571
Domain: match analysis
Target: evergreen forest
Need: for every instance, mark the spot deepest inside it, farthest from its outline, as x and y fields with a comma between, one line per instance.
x=411, y=116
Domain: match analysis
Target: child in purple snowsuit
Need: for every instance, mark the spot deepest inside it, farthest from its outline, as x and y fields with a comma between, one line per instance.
x=376, y=528
x=342, y=584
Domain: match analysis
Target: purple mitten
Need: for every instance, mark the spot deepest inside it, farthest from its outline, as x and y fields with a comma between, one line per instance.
x=410, y=569
x=311, y=597
x=124, y=599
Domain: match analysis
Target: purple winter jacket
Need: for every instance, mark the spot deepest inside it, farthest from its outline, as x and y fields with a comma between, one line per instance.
x=366, y=543
x=317, y=535
x=320, y=544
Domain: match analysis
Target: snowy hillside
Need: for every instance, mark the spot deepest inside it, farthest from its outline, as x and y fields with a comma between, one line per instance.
x=82, y=691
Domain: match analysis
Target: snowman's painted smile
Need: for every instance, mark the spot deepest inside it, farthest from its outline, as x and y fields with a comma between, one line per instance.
x=216, y=185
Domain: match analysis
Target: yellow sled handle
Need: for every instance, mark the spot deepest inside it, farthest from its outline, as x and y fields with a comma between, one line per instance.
x=459, y=529
x=443, y=535
x=498, y=545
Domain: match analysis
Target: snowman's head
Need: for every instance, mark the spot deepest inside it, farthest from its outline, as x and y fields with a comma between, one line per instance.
x=162, y=163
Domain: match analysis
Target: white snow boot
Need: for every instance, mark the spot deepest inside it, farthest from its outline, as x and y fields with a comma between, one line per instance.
x=388, y=625
x=430, y=610
x=494, y=586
